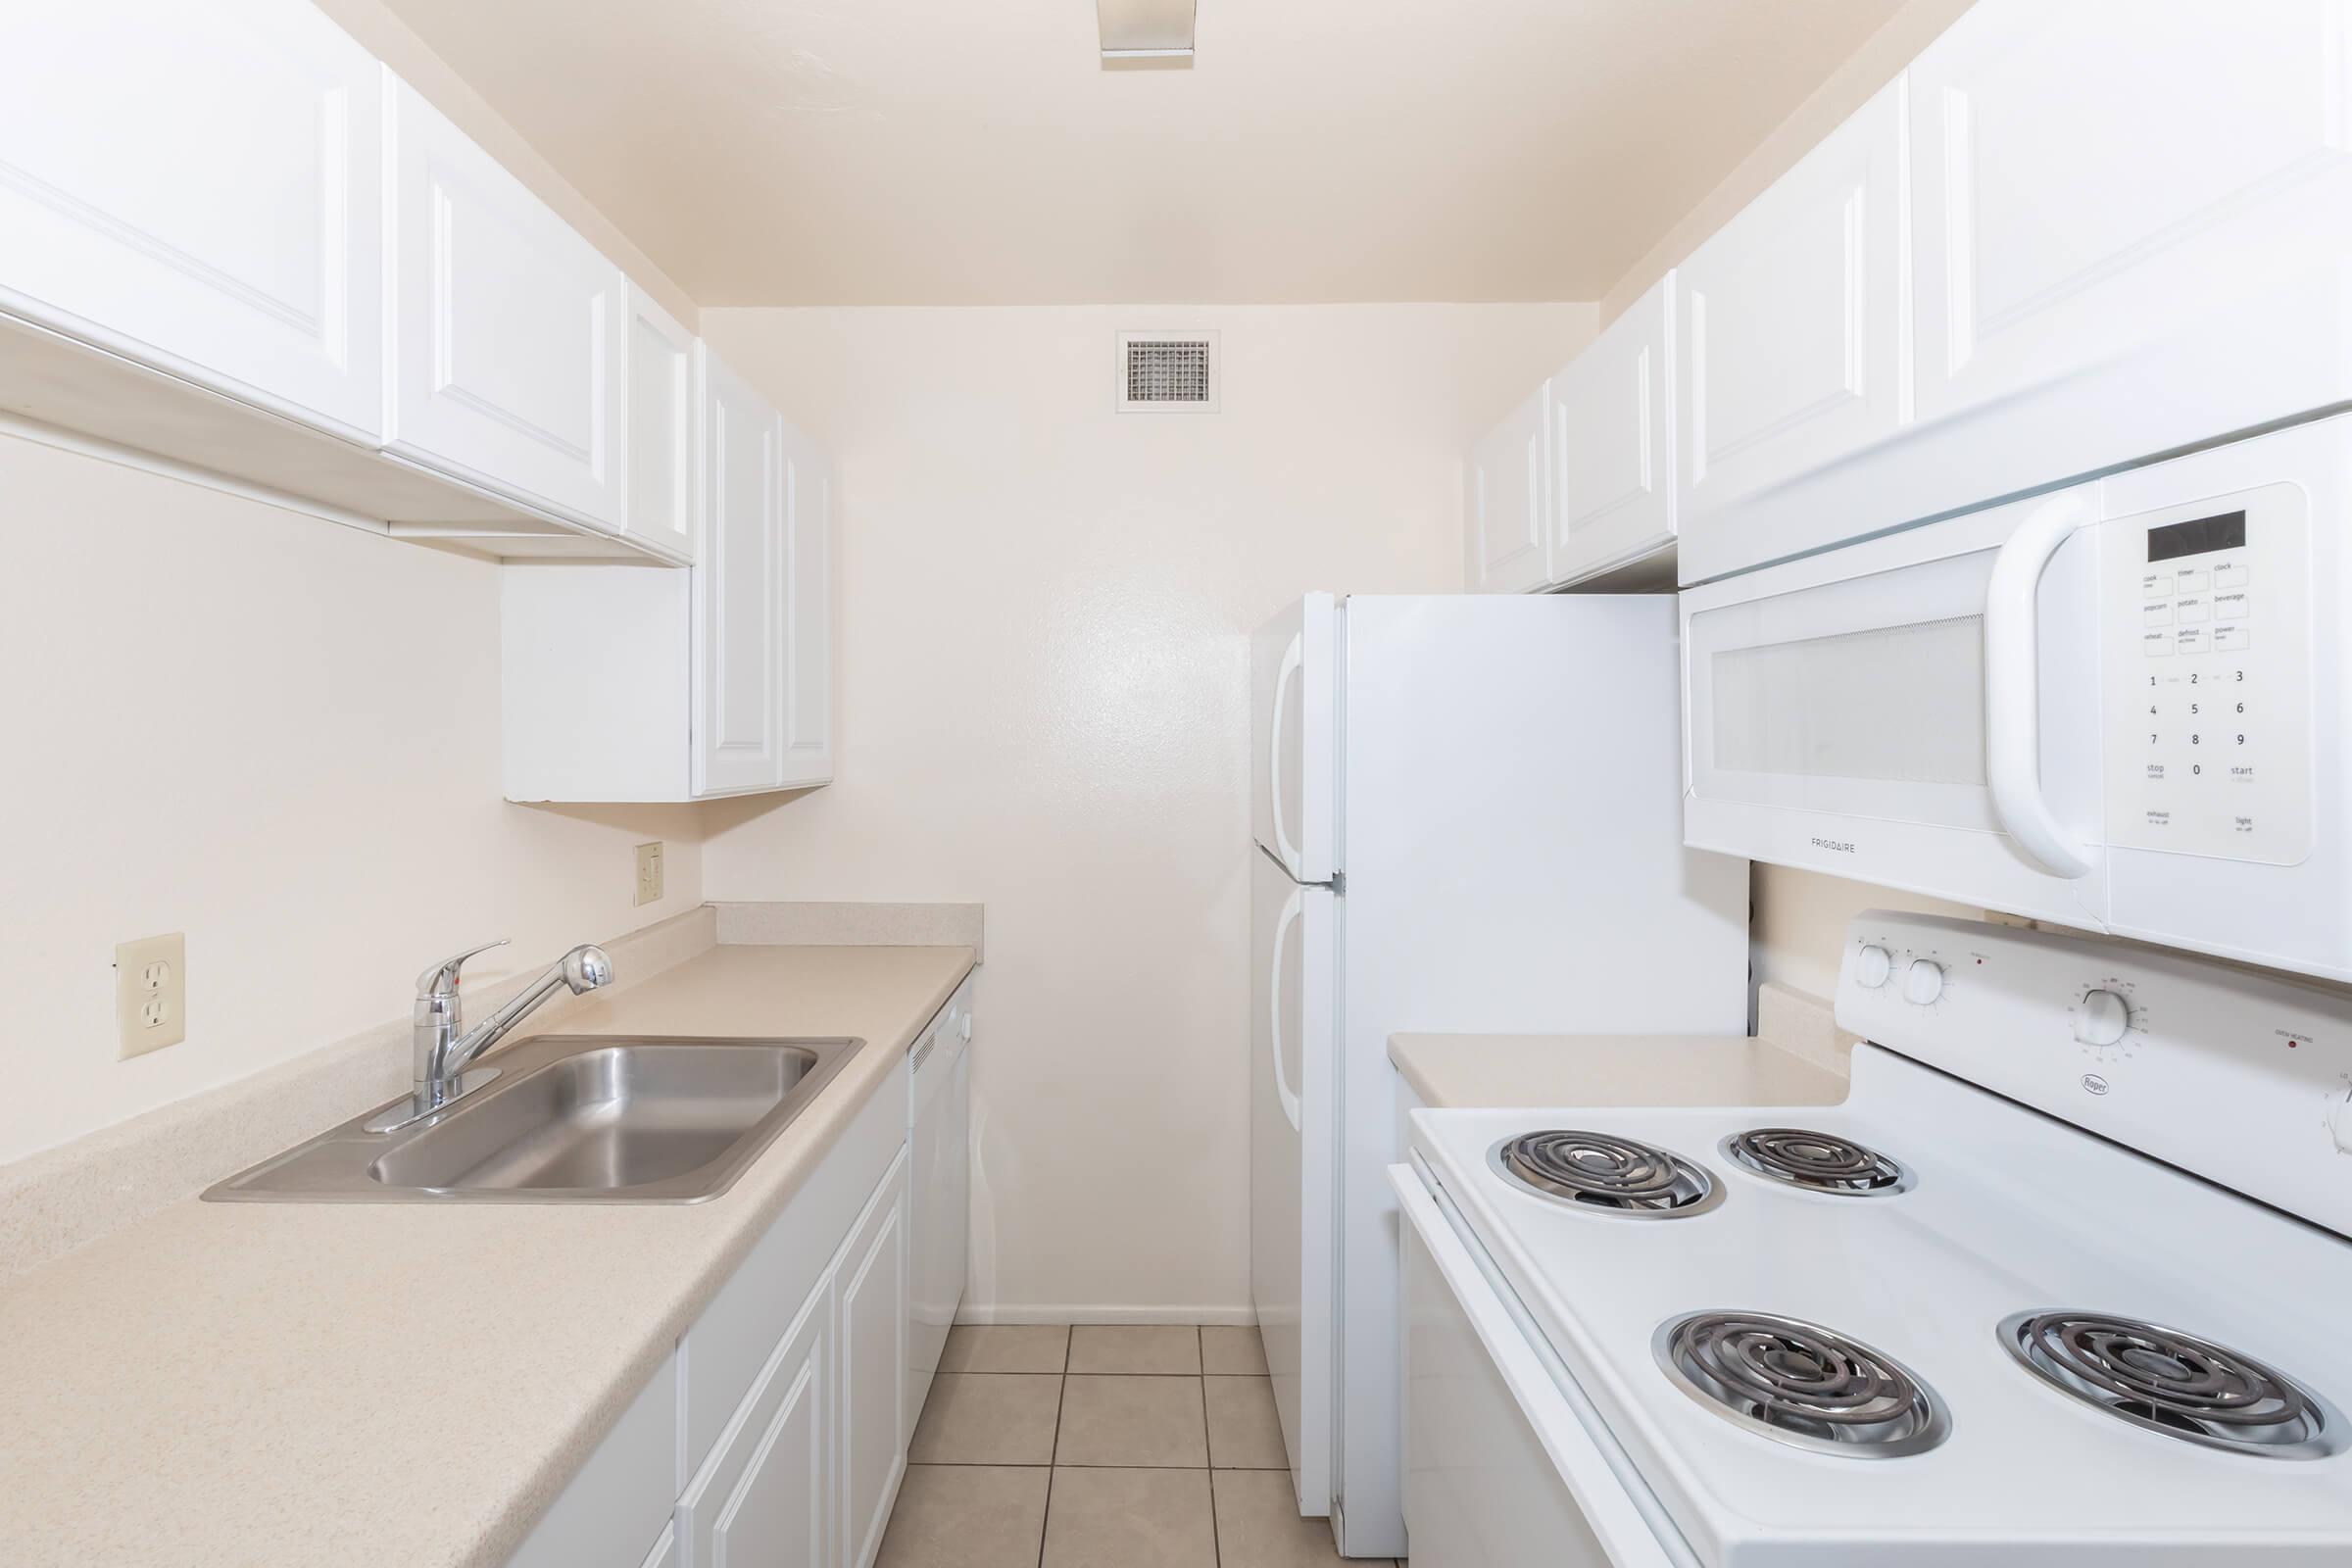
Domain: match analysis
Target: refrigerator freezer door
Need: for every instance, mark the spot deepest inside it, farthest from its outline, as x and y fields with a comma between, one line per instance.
x=1293, y=1101
x=1293, y=700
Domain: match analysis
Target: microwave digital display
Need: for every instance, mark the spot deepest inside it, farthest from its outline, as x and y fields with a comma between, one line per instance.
x=2197, y=537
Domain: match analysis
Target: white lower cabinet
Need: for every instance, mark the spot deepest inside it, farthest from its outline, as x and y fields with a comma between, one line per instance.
x=622, y=1498
x=872, y=1306
x=761, y=1501
x=776, y=1436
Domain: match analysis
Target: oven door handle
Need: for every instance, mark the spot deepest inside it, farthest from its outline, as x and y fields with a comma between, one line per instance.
x=1626, y=1518
x=2013, y=688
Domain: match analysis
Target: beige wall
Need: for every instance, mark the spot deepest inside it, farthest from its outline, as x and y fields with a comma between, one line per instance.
x=279, y=737
x=1045, y=607
x=1868, y=68
x=1800, y=921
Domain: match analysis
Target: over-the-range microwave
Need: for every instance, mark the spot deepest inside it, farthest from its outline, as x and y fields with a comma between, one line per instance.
x=2119, y=706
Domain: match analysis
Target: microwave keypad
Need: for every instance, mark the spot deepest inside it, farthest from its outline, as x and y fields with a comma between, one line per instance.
x=2209, y=728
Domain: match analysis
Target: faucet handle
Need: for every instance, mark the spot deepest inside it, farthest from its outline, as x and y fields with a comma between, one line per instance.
x=441, y=980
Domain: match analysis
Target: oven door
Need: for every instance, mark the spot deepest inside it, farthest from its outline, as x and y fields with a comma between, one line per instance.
x=1504, y=1461
x=1919, y=710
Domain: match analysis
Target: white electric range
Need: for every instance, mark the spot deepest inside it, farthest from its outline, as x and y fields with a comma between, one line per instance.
x=1970, y=1316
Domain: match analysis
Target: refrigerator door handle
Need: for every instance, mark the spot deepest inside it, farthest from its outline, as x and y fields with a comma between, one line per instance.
x=1291, y=913
x=1293, y=659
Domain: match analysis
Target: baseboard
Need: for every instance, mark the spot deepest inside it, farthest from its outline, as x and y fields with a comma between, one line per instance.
x=1216, y=1316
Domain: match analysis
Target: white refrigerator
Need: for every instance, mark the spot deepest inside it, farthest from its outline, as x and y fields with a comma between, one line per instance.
x=1467, y=815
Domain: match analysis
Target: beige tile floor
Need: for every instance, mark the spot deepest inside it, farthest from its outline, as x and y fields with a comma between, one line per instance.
x=1102, y=1447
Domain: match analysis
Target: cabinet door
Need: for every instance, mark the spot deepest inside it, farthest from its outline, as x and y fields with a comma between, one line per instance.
x=661, y=428
x=808, y=600
x=872, y=1298
x=2168, y=276
x=738, y=600
x=763, y=1498
x=1790, y=337
x=1503, y=503
x=507, y=328
x=197, y=186
x=1612, y=444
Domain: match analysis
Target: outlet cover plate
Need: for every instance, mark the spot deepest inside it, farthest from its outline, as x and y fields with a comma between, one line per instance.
x=648, y=872
x=151, y=994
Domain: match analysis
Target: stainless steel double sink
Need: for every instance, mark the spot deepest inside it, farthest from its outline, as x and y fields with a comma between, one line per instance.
x=569, y=1119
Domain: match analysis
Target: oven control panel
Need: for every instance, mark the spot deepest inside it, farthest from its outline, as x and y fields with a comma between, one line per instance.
x=2238, y=1077
x=2208, y=677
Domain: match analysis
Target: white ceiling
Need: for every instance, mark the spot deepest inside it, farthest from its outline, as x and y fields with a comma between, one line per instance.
x=773, y=152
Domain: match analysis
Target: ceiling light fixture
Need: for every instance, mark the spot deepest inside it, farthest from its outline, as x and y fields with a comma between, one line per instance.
x=1145, y=29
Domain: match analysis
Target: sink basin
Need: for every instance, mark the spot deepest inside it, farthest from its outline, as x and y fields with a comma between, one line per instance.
x=569, y=1118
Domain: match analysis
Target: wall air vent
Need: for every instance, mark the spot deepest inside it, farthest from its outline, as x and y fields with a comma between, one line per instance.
x=1168, y=370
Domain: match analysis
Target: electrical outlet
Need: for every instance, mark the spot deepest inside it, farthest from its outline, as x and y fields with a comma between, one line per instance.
x=648, y=872
x=151, y=994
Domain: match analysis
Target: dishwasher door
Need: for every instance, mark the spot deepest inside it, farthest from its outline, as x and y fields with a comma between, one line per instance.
x=940, y=1179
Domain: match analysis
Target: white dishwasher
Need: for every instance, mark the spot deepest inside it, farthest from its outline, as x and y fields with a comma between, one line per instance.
x=939, y=1177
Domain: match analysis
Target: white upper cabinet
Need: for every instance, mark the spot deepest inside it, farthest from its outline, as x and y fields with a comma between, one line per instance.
x=1503, y=491
x=715, y=680
x=507, y=326
x=2131, y=227
x=1792, y=333
x=740, y=685
x=1612, y=444
x=660, y=423
x=196, y=186
x=808, y=600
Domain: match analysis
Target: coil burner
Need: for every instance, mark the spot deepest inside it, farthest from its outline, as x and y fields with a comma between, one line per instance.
x=2175, y=1383
x=1816, y=1162
x=1801, y=1384
x=1613, y=1175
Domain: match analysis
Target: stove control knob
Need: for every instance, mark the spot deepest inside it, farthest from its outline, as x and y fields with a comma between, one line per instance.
x=2339, y=1122
x=1872, y=966
x=1923, y=982
x=2102, y=1018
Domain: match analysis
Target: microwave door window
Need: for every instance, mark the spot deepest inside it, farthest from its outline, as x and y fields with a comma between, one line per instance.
x=1879, y=721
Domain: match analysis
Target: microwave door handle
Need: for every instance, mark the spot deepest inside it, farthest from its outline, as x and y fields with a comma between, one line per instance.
x=2013, y=688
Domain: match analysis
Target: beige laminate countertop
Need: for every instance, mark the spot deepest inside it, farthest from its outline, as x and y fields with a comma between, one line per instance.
x=323, y=1385
x=1505, y=1070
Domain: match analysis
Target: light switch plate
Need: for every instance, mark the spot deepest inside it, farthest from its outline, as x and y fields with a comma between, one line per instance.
x=151, y=994
x=648, y=872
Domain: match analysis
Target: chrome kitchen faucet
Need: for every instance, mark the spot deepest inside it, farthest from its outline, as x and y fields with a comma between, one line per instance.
x=442, y=1053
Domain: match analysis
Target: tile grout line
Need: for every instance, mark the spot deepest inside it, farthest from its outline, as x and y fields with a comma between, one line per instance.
x=1054, y=1454
x=1002, y=1464
x=1217, y=1531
